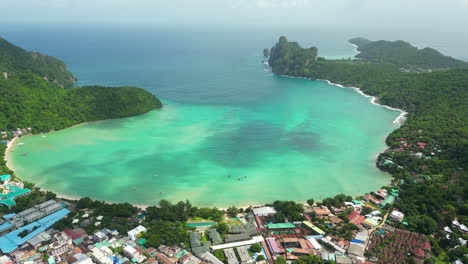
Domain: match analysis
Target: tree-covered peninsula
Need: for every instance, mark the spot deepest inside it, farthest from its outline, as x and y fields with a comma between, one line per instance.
x=428, y=154
x=37, y=91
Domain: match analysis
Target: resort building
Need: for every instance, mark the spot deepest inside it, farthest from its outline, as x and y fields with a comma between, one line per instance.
x=215, y=237
x=230, y=256
x=133, y=234
x=244, y=255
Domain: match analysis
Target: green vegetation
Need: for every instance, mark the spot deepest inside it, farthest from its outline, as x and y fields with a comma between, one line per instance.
x=181, y=211
x=337, y=201
x=256, y=248
x=14, y=59
x=232, y=211
x=166, y=233
x=32, y=91
x=219, y=253
x=289, y=210
x=404, y=54
x=437, y=116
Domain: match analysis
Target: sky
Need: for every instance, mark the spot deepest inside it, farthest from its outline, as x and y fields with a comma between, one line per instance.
x=417, y=13
x=441, y=24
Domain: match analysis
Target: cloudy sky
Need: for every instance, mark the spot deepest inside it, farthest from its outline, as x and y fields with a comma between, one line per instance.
x=242, y=12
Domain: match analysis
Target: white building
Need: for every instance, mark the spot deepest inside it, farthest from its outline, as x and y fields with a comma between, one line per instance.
x=100, y=257
x=61, y=245
x=132, y=234
x=397, y=215
x=130, y=252
x=264, y=211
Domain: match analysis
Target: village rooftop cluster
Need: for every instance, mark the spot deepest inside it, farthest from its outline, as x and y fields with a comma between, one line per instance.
x=360, y=231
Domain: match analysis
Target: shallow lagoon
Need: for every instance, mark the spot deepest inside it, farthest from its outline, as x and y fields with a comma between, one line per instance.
x=224, y=114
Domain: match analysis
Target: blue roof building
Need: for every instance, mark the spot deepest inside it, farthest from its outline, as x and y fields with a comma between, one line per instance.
x=12, y=240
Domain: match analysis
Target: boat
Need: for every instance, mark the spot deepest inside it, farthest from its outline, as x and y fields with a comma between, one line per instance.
x=24, y=154
x=156, y=175
x=134, y=188
x=20, y=144
x=229, y=176
x=43, y=136
x=238, y=178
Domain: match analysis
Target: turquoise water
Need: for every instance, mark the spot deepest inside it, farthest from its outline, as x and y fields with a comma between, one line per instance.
x=224, y=114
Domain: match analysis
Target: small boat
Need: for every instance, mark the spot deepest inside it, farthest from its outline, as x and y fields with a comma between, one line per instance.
x=43, y=136
x=238, y=178
x=245, y=177
x=160, y=193
x=156, y=175
x=134, y=188
x=229, y=176
x=20, y=144
x=24, y=154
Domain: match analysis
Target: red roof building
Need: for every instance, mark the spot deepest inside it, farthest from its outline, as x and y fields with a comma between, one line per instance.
x=421, y=145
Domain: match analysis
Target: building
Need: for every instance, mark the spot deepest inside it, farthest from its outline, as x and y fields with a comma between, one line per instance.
x=389, y=200
x=62, y=244
x=130, y=252
x=100, y=236
x=100, y=257
x=236, y=238
x=264, y=211
x=11, y=241
x=397, y=215
x=197, y=246
x=133, y=234
x=321, y=211
x=312, y=227
x=230, y=256
x=210, y=258
x=370, y=223
x=4, y=179
x=244, y=255
x=215, y=237
x=356, y=251
x=5, y=260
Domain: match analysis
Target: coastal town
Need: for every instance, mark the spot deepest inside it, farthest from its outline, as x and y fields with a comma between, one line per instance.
x=366, y=229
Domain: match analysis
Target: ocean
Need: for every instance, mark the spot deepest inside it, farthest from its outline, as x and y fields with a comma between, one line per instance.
x=230, y=132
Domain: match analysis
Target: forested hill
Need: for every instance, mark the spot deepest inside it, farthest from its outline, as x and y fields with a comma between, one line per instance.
x=37, y=91
x=14, y=60
x=428, y=154
x=405, y=55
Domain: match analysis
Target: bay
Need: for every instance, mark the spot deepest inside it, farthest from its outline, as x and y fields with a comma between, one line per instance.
x=230, y=132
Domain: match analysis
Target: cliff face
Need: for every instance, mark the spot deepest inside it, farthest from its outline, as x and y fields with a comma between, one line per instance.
x=14, y=59
x=287, y=57
x=33, y=95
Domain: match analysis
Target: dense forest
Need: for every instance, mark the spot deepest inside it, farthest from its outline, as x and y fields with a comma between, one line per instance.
x=37, y=91
x=428, y=154
x=404, y=54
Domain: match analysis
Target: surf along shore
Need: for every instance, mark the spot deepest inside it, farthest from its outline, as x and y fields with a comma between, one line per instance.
x=372, y=99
